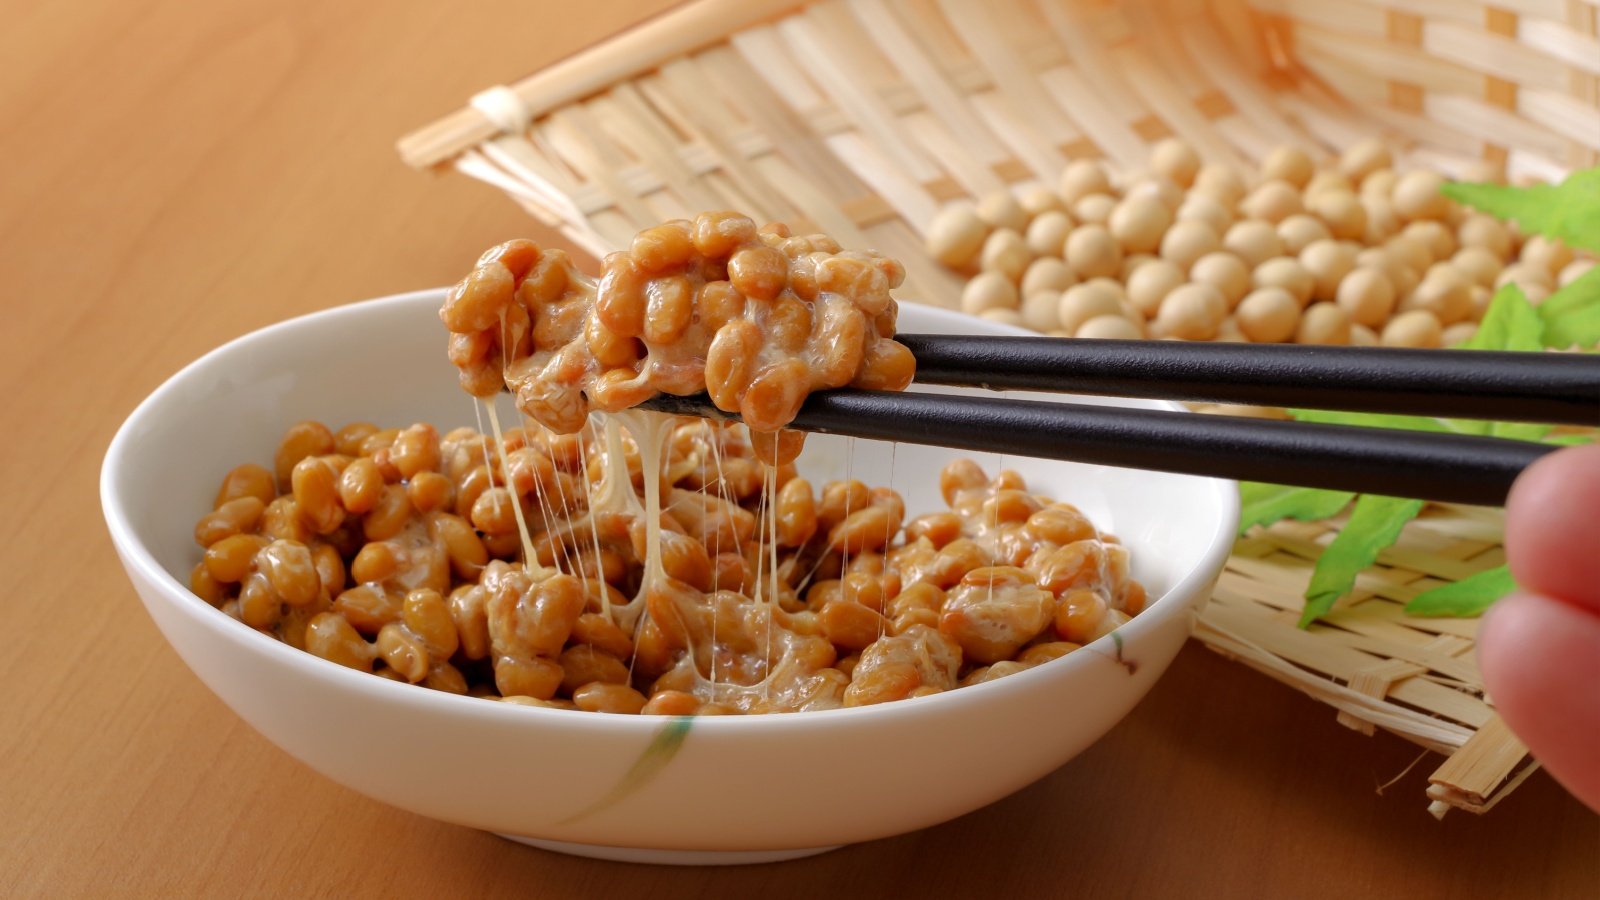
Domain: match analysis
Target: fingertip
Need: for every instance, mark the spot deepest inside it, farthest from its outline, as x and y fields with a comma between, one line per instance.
x=1553, y=527
x=1540, y=666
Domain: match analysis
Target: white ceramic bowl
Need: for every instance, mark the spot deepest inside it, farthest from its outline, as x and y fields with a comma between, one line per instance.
x=722, y=789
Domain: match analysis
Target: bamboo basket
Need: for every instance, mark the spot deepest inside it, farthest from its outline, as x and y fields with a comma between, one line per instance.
x=860, y=118
x=1380, y=668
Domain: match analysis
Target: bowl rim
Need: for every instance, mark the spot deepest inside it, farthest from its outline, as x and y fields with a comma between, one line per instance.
x=141, y=561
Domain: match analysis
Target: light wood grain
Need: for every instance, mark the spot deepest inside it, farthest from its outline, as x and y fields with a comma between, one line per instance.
x=177, y=174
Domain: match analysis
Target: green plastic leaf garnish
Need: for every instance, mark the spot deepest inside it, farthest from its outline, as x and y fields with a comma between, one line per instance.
x=1465, y=598
x=1374, y=524
x=1263, y=504
x=1368, y=420
x=1517, y=431
x=1510, y=323
x=1567, y=211
x=1572, y=314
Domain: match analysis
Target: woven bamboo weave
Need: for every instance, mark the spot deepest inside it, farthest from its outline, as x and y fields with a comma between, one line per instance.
x=861, y=118
x=1380, y=668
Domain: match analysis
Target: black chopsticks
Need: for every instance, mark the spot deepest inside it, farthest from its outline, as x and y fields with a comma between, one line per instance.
x=1459, y=468
x=1558, y=388
x=1445, y=467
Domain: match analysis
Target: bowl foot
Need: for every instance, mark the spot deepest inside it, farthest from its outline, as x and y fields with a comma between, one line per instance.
x=669, y=857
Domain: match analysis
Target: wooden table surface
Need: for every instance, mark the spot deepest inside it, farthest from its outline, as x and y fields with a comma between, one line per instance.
x=177, y=174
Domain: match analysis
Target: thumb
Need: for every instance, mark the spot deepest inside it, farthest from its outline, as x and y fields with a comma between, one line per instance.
x=1553, y=527
x=1541, y=664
